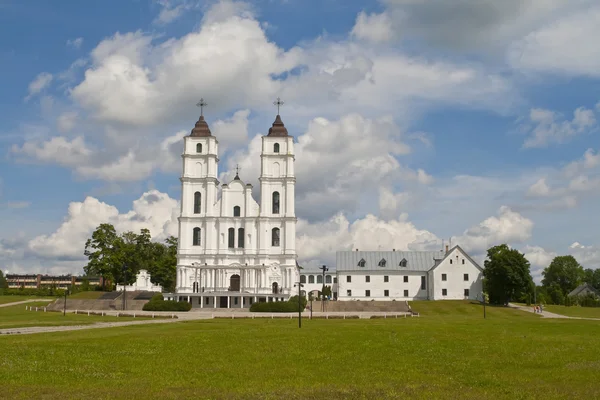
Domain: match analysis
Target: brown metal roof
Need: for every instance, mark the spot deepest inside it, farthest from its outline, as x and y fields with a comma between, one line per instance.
x=278, y=129
x=201, y=129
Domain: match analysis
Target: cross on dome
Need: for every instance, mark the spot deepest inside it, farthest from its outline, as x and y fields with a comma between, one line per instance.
x=237, y=173
x=278, y=103
x=202, y=104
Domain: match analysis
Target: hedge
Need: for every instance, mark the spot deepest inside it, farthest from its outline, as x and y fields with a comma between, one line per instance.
x=166, y=305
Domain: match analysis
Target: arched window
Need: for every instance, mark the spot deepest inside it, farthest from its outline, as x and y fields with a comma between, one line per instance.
x=236, y=211
x=197, y=202
x=327, y=278
x=319, y=278
x=362, y=263
x=275, y=237
x=276, y=148
x=231, y=238
x=311, y=279
x=302, y=278
x=241, y=238
x=275, y=202
x=196, y=239
x=199, y=148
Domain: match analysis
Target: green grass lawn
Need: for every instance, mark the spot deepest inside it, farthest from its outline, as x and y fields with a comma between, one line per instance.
x=14, y=299
x=443, y=354
x=91, y=295
x=575, y=311
x=17, y=317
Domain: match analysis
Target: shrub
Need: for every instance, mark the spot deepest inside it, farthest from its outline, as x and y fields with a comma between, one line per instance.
x=166, y=305
x=157, y=297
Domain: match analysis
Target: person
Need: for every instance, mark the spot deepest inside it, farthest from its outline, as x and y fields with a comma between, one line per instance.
x=541, y=308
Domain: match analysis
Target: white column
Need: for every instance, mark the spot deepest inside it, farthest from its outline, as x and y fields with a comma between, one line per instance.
x=228, y=300
x=201, y=301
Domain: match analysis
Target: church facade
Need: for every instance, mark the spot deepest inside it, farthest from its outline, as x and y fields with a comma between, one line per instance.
x=233, y=250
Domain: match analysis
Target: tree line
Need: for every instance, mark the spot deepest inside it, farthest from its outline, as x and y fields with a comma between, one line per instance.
x=507, y=277
x=119, y=258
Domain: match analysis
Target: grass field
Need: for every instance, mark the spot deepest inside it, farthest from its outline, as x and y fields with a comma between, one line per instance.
x=17, y=317
x=14, y=299
x=449, y=352
x=575, y=311
x=92, y=295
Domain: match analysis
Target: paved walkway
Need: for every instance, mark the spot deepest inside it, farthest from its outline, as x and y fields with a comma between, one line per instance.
x=16, y=303
x=547, y=314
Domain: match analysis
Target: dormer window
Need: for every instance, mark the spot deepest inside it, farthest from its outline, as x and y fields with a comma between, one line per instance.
x=403, y=263
x=362, y=263
x=382, y=262
x=276, y=148
x=199, y=148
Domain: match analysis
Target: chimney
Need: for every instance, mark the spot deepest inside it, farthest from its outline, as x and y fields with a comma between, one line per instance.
x=393, y=249
x=356, y=249
x=446, y=249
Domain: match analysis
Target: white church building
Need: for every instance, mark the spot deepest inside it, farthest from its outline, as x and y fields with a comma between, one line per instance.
x=234, y=251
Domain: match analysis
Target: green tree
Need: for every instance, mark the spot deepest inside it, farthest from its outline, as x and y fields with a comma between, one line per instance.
x=163, y=269
x=565, y=272
x=592, y=276
x=3, y=282
x=507, y=275
x=103, y=252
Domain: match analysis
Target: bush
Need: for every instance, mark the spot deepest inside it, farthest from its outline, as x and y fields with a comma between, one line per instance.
x=166, y=305
x=157, y=297
x=279, y=306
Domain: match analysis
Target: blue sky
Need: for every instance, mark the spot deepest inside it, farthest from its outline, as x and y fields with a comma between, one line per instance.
x=469, y=121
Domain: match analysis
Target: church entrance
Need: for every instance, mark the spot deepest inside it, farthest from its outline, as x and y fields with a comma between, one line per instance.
x=234, y=283
x=275, y=286
x=223, y=302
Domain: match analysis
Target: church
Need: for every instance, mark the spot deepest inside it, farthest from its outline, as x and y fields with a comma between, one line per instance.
x=233, y=250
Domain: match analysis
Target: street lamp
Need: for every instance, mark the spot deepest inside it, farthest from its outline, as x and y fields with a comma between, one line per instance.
x=300, y=285
x=324, y=268
x=483, y=298
x=65, y=303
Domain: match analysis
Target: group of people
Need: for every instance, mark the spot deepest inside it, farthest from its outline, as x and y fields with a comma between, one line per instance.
x=538, y=309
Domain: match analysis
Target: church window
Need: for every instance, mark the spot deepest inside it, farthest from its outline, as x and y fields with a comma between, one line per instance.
x=466, y=292
x=196, y=238
x=197, y=202
x=241, y=238
x=275, y=202
x=444, y=277
x=334, y=279
x=311, y=279
x=348, y=293
x=231, y=238
x=276, y=148
x=406, y=279
x=450, y=261
x=327, y=278
x=463, y=261
x=367, y=293
x=403, y=263
x=466, y=277
x=302, y=278
x=423, y=283
x=386, y=293
x=199, y=148
x=349, y=279
x=367, y=279
x=275, y=237
x=382, y=262
x=362, y=263
x=236, y=211
x=406, y=293
x=319, y=278
x=386, y=278
x=444, y=292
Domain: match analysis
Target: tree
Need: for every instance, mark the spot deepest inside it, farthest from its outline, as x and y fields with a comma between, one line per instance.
x=163, y=270
x=592, y=276
x=104, y=252
x=507, y=275
x=3, y=282
x=564, y=272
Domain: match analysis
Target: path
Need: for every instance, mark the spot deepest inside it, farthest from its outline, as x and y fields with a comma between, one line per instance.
x=547, y=314
x=16, y=303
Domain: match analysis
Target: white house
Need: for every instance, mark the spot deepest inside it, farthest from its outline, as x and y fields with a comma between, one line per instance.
x=408, y=275
x=233, y=250
x=312, y=279
x=142, y=282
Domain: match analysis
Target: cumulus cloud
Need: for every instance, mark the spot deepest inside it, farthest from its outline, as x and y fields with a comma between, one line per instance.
x=41, y=82
x=373, y=27
x=588, y=256
x=58, y=150
x=563, y=46
x=550, y=128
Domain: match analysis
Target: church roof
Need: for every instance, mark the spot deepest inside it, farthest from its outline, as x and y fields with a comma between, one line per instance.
x=278, y=129
x=415, y=260
x=201, y=129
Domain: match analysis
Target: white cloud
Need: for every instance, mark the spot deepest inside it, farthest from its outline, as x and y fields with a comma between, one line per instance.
x=550, y=128
x=588, y=256
x=66, y=121
x=40, y=82
x=539, y=189
x=373, y=27
x=232, y=132
x=564, y=46
x=75, y=43
x=154, y=210
x=58, y=150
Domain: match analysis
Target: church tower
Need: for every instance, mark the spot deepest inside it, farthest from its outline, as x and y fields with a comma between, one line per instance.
x=198, y=189
x=277, y=188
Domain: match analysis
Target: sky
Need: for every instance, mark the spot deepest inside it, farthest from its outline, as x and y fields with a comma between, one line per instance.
x=416, y=122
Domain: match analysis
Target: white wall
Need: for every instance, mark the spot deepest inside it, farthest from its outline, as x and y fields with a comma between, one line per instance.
x=395, y=285
x=455, y=266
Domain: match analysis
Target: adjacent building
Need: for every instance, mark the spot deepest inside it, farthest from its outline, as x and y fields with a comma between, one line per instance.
x=39, y=281
x=234, y=250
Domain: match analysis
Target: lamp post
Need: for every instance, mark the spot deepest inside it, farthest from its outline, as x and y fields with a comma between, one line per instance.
x=483, y=298
x=300, y=285
x=124, y=269
x=65, y=303
x=324, y=268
